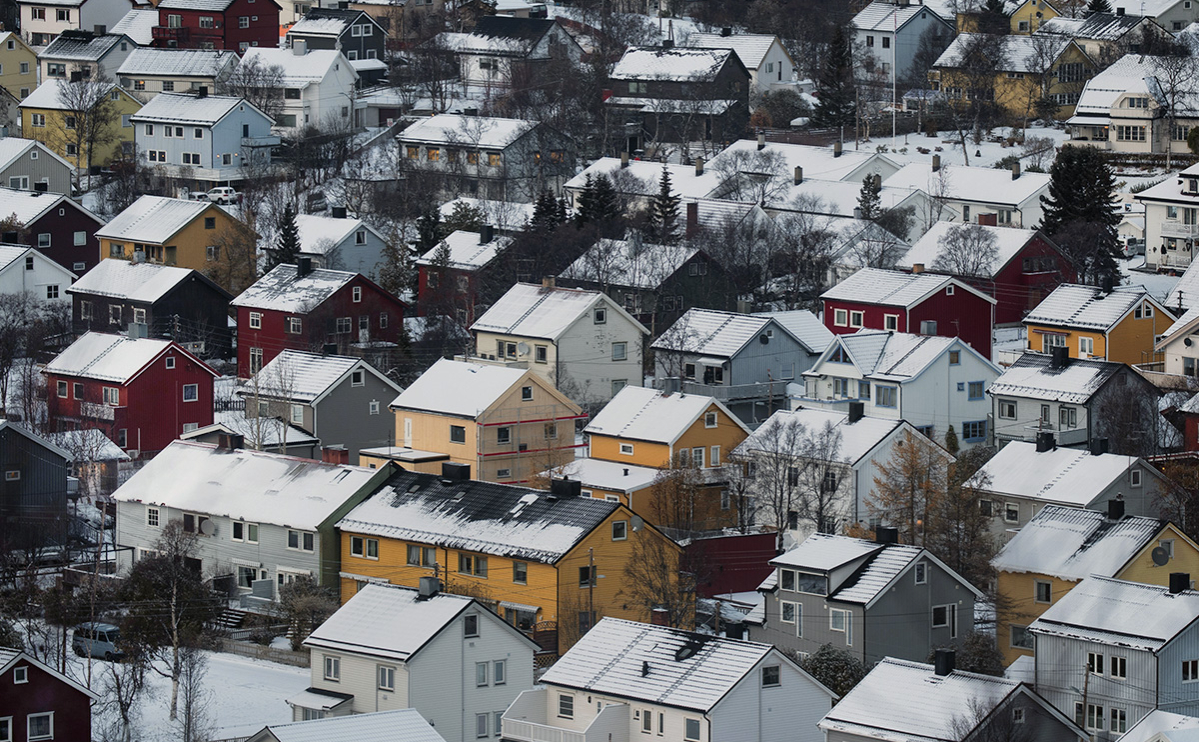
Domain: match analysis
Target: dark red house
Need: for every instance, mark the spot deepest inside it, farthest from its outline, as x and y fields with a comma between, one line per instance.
x=451, y=275
x=298, y=307
x=40, y=703
x=142, y=393
x=59, y=228
x=1027, y=266
x=919, y=303
x=236, y=25
x=734, y=563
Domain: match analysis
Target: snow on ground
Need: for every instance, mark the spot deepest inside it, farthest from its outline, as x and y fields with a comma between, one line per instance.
x=1159, y=285
x=902, y=148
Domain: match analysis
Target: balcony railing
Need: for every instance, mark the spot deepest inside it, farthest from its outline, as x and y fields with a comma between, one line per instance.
x=727, y=392
x=1178, y=259
x=97, y=411
x=525, y=721
x=1175, y=228
x=169, y=33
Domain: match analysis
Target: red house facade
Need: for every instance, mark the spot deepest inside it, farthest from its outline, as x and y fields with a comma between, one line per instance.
x=236, y=25
x=453, y=289
x=919, y=303
x=59, y=228
x=298, y=307
x=142, y=393
x=39, y=703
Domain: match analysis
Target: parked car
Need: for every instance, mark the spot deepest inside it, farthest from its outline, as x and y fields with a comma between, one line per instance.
x=97, y=640
x=224, y=195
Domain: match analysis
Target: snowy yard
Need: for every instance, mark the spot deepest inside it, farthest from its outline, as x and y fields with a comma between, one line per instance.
x=902, y=148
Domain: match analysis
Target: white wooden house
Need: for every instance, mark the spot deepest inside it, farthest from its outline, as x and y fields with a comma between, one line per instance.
x=25, y=270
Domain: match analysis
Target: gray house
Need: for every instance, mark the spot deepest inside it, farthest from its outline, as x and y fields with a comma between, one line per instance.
x=339, y=399
x=746, y=361
x=874, y=599
x=27, y=164
x=1131, y=646
x=34, y=489
x=355, y=33
x=341, y=243
x=264, y=519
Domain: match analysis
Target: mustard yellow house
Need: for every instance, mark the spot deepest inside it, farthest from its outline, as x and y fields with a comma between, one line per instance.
x=551, y=563
x=1062, y=545
x=87, y=126
x=1024, y=16
x=507, y=424
x=18, y=66
x=1120, y=325
x=1031, y=69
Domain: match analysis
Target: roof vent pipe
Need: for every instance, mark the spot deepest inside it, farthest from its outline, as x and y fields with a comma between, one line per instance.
x=1179, y=581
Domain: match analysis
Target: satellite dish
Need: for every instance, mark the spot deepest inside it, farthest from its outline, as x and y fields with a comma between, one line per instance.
x=1160, y=556
x=522, y=348
x=638, y=523
x=207, y=527
x=1187, y=342
x=763, y=338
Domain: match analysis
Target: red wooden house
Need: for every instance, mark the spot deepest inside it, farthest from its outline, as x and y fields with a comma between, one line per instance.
x=39, y=703
x=298, y=307
x=919, y=303
x=452, y=273
x=1026, y=267
x=236, y=25
x=59, y=228
x=142, y=393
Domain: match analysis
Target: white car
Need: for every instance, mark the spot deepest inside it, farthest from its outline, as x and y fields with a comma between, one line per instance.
x=223, y=195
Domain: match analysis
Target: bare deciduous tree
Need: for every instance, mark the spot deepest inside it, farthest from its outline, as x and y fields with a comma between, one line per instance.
x=966, y=250
x=259, y=83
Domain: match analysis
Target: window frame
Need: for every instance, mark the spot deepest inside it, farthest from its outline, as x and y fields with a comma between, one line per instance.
x=31, y=718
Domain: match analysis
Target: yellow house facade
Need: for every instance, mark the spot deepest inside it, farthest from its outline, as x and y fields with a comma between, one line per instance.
x=1096, y=545
x=18, y=66
x=1121, y=326
x=55, y=116
x=507, y=424
x=1029, y=16
x=550, y=564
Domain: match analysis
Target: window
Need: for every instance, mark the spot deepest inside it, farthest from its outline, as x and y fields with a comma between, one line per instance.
x=600, y=316
x=1086, y=347
x=855, y=319
x=974, y=430
x=840, y=317
x=886, y=396
x=526, y=393
x=975, y=390
x=332, y=668
x=152, y=517
x=566, y=706
x=38, y=120
x=357, y=294
x=457, y=434
x=387, y=678
x=1119, y=721
x=1017, y=716
x=1118, y=667
x=422, y=556
x=1021, y=637
x=870, y=41
x=691, y=730
x=191, y=392
x=787, y=579
x=111, y=395
x=480, y=675
x=1134, y=478
x=191, y=158
x=40, y=726
x=255, y=320
x=1095, y=663
x=647, y=721
x=946, y=617
x=1094, y=717
x=891, y=322
x=587, y=576
x=78, y=390
x=1011, y=512
x=358, y=378
x=1168, y=545
x=928, y=327
x=1190, y=671
x=626, y=449
x=1130, y=133
x=620, y=351
x=472, y=564
x=886, y=42
x=247, y=532
x=921, y=573
x=1007, y=409
x=620, y=530
x=300, y=540
x=503, y=435
x=1043, y=591
x=52, y=291
x=771, y=676
x=62, y=389
x=364, y=548
x=344, y=325
x=1067, y=418
x=955, y=357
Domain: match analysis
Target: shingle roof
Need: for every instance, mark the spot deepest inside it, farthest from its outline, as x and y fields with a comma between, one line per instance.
x=925, y=251
x=678, y=63
x=98, y=355
x=804, y=327
x=153, y=219
x=894, y=356
x=458, y=388
x=141, y=282
x=531, y=310
x=1072, y=543
x=751, y=48
x=882, y=565
x=284, y=290
x=29, y=205
x=176, y=62
x=686, y=669
x=645, y=414
x=467, y=131
x=1121, y=613
x=502, y=35
x=483, y=517
x=892, y=288
x=370, y=622
x=1072, y=476
x=884, y=16
x=1099, y=26
x=401, y=725
x=1032, y=375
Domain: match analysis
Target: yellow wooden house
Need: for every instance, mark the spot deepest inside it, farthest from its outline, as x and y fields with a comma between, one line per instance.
x=18, y=65
x=1024, y=16
x=551, y=563
x=508, y=424
x=1061, y=546
x=56, y=114
x=1120, y=325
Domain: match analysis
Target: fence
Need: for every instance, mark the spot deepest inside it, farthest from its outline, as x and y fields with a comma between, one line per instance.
x=259, y=652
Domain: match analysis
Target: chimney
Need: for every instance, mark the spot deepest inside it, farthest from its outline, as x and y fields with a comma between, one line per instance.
x=726, y=31
x=836, y=149
x=667, y=43
x=335, y=454
x=303, y=267
x=886, y=535
x=429, y=587
x=856, y=411
x=486, y=234
x=452, y=471
x=936, y=163
x=100, y=29
x=761, y=141
x=230, y=441
x=692, y=218
x=547, y=282
x=659, y=617
x=329, y=349
x=566, y=487
x=1098, y=446
x=202, y=91
x=644, y=668
x=1045, y=442
x=470, y=112
x=1107, y=285
x=1059, y=357
x=137, y=330
x=699, y=166
x=943, y=662
x=917, y=267
x=339, y=212
x=624, y=159
x=1119, y=11
x=798, y=177
x=1115, y=508
x=299, y=47
x=1015, y=170
x=1179, y=581
x=857, y=212
x=626, y=471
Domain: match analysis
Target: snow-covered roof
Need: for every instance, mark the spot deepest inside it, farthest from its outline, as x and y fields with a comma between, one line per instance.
x=925, y=251
x=300, y=376
x=35, y=438
x=88, y=445
x=751, y=48
x=883, y=564
x=98, y=355
x=81, y=46
x=499, y=35
x=532, y=310
x=1072, y=543
x=1033, y=376
x=327, y=22
x=886, y=16
x=1185, y=294
x=298, y=69
x=483, y=517
x=1132, y=74
x=124, y=279
x=677, y=63
x=804, y=327
x=629, y=263
x=46, y=96
x=369, y=623
x=29, y=205
x=177, y=63
x=284, y=290
x=459, y=388
x=318, y=233
x=818, y=163
x=613, y=476
x=467, y=131
x=1087, y=307
x=857, y=439
x=1096, y=26
x=711, y=332
x=825, y=552
x=902, y=701
x=14, y=148
x=272, y=435
x=893, y=288
x=1019, y=53
x=467, y=250
x=1164, y=723
x=195, y=4
x=153, y=219
x=1182, y=323
x=645, y=414
x=189, y=109
x=986, y=185
x=1071, y=476
x=502, y=214
x=138, y=24
x=685, y=669
x=642, y=178
x=1120, y=613
x=240, y=484
x=399, y=725
x=894, y=356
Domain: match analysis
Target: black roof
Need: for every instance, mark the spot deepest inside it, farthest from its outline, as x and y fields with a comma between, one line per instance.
x=504, y=27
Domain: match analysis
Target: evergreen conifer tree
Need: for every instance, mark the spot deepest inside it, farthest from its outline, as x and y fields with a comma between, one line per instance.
x=287, y=247
x=663, y=218
x=1099, y=6
x=428, y=230
x=586, y=211
x=868, y=198
x=545, y=213
x=837, y=107
x=1080, y=214
x=606, y=204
